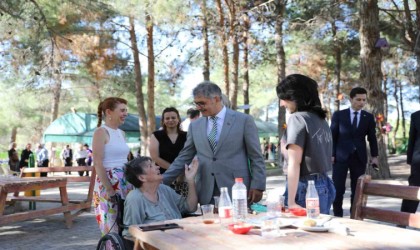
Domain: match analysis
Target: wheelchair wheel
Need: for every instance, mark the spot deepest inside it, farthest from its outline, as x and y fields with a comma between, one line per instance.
x=111, y=241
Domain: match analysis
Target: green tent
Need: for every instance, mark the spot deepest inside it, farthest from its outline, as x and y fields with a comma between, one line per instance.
x=79, y=127
x=266, y=129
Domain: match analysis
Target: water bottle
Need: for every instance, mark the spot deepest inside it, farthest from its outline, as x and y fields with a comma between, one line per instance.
x=239, y=198
x=312, y=201
x=31, y=161
x=225, y=208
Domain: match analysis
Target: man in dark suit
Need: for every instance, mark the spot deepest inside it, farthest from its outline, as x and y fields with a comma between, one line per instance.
x=413, y=158
x=227, y=146
x=349, y=129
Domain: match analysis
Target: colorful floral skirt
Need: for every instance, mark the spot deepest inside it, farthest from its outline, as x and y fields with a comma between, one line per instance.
x=105, y=210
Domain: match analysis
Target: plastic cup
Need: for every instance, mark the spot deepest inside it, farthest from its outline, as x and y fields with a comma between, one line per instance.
x=275, y=207
x=270, y=229
x=208, y=214
x=272, y=208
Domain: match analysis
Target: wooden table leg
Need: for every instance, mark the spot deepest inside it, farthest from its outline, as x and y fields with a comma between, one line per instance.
x=137, y=245
x=3, y=196
x=65, y=201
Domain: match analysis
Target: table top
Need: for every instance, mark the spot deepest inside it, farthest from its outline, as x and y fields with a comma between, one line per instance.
x=361, y=235
x=10, y=183
x=15, y=179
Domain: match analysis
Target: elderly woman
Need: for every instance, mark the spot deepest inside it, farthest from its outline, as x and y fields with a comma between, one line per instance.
x=152, y=201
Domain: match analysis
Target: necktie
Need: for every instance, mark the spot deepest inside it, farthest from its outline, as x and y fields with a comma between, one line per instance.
x=354, y=123
x=213, y=133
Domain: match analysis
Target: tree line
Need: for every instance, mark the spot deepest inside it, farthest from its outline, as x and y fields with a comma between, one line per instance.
x=58, y=55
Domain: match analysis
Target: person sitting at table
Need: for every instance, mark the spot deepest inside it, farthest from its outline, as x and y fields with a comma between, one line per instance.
x=152, y=201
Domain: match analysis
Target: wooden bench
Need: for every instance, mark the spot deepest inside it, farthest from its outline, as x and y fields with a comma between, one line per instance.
x=365, y=187
x=79, y=206
x=16, y=185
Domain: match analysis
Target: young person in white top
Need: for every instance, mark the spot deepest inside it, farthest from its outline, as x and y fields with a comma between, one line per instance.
x=110, y=153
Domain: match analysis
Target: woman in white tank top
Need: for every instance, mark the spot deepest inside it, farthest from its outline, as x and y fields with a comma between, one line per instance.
x=110, y=153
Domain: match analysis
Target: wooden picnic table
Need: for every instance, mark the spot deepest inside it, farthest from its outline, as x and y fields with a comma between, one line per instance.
x=15, y=185
x=197, y=235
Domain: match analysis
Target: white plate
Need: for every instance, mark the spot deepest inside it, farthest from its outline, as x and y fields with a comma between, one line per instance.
x=322, y=225
x=314, y=229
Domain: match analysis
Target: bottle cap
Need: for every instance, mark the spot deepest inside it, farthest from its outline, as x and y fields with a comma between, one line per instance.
x=239, y=180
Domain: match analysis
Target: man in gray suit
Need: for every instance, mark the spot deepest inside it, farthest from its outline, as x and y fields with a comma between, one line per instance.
x=227, y=146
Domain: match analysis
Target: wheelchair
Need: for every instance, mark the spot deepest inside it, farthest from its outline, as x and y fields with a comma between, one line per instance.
x=113, y=240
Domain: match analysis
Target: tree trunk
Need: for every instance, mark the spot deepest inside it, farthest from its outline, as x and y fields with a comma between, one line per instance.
x=371, y=74
x=206, y=66
x=13, y=134
x=402, y=110
x=224, y=42
x=139, y=84
x=280, y=57
x=397, y=107
x=281, y=66
x=337, y=68
x=150, y=79
x=384, y=89
x=414, y=34
x=56, y=91
x=245, y=85
x=417, y=75
x=233, y=31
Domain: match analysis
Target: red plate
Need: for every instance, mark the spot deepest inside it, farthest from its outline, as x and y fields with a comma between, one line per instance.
x=298, y=211
x=240, y=229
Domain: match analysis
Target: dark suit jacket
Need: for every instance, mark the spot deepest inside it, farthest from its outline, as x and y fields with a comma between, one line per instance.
x=413, y=150
x=237, y=154
x=345, y=139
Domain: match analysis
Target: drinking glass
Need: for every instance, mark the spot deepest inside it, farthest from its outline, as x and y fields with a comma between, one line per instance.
x=208, y=213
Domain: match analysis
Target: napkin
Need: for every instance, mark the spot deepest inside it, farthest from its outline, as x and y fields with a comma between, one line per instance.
x=337, y=227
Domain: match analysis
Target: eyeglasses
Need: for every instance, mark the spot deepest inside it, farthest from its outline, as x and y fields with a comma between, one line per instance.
x=199, y=104
x=202, y=104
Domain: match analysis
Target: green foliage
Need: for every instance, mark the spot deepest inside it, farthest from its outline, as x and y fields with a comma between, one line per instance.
x=87, y=42
x=402, y=146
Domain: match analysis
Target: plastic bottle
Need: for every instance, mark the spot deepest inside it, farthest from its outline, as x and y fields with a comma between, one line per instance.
x=239, y=198
x=31, y=161
x=312, y=201
x=225, y=208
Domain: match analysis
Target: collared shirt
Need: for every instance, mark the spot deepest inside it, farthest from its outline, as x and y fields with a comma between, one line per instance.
x=221, y=118
x=41, y=154
x=66, y=153
x=352, y=116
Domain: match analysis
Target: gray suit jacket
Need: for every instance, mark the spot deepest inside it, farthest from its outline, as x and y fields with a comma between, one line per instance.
x=237, y=154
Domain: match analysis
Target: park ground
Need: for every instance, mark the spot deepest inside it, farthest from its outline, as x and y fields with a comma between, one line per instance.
x=51, y=233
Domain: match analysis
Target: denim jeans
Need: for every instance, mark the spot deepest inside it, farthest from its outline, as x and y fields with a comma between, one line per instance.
x=324, y=186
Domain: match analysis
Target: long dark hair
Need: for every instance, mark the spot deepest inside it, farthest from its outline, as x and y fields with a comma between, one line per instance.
x=109, y=103
x=162, y=120
x=134, y=168
x=303, y=91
